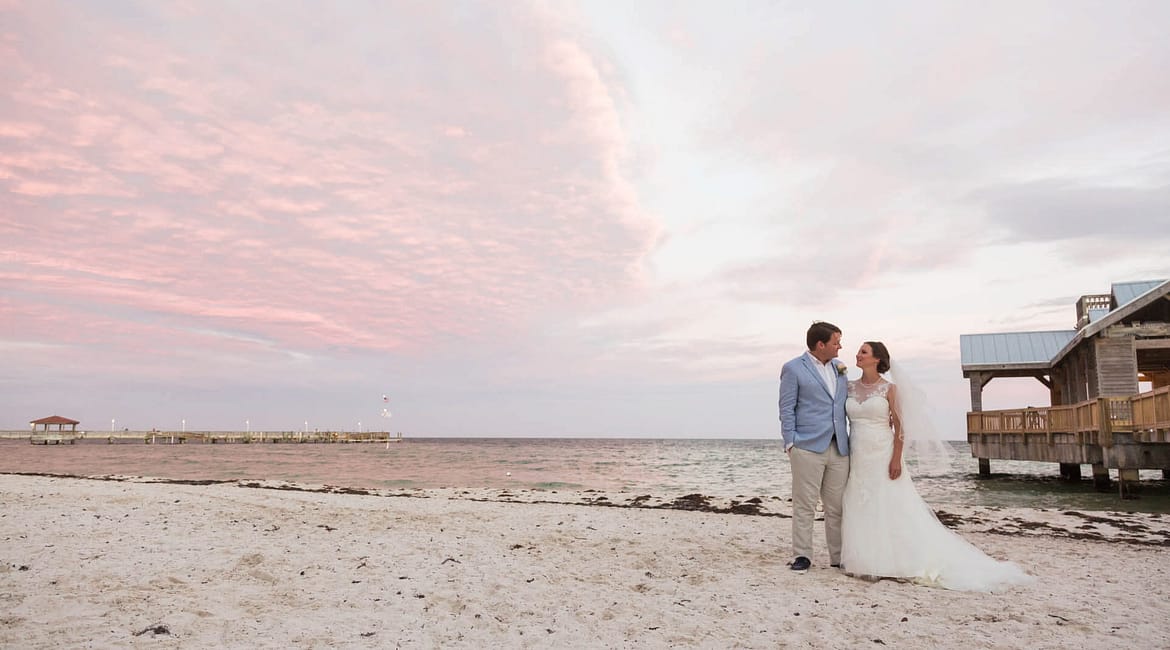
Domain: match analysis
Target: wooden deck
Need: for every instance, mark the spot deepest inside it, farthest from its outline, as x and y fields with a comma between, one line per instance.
x=1123, y=433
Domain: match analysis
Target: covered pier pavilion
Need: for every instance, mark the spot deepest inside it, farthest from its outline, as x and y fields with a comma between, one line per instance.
x=43, y=430
x=1097, y=414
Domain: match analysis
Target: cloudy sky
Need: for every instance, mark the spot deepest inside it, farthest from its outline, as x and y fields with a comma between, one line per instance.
x=553, y=219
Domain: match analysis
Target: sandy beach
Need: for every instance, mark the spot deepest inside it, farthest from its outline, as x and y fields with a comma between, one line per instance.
x=127, y=562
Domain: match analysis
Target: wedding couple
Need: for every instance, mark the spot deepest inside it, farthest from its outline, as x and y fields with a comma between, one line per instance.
x=876, y=524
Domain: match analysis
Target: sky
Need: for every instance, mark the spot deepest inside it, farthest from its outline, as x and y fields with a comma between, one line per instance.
x=588, y=219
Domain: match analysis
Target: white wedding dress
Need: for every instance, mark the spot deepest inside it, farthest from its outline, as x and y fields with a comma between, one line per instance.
x=887, y=529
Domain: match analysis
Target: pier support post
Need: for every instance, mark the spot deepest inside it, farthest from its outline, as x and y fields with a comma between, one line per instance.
x=1070, y=471
x=1127, y=483
x=985, y=467
x=1101, y=477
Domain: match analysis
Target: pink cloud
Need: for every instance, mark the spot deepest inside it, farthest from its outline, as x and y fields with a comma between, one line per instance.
x=20, y=130
x=302, y=201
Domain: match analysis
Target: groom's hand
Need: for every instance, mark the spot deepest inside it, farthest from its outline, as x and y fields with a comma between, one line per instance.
x=895, y=469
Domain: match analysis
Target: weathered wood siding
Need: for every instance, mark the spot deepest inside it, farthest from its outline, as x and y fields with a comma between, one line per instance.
x=1116, y=362
x=1076, y=382
x=1059, y=386
x=1092, y=373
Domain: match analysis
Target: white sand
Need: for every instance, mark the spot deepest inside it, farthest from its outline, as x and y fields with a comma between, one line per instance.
x=99, y=564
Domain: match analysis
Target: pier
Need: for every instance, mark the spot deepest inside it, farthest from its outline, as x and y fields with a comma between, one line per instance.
x=1097, y=415
x=206, y=437
x=261, y=437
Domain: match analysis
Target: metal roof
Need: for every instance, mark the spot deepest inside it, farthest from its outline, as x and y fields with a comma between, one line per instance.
x=1155, y=290
x=1012, y=348
x=1125, y=292
x=1097, y=314
x=1027, y=350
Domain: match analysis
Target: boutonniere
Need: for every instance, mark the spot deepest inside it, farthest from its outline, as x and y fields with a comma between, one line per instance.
x=841, y=369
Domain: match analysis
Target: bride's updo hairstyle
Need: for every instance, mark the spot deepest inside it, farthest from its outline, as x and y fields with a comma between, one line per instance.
x=882, y=354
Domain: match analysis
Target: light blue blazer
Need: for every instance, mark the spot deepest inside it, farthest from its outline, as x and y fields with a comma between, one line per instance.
x=809, y=415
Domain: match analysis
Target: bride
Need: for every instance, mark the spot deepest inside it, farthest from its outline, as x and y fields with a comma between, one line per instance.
x=887, y=529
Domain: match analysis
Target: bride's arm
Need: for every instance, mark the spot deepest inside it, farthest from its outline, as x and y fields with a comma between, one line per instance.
x=899, y=438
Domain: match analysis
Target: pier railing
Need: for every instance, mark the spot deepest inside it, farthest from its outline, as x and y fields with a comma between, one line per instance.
x=1145, y=415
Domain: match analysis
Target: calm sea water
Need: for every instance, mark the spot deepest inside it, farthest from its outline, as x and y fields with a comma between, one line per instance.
x=662, y=468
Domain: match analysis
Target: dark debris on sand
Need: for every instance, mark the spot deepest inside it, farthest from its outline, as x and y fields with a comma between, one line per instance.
x=1020, y=527
x=155, y=630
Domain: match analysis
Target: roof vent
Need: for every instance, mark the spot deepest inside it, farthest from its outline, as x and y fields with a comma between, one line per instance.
x=1093, y=303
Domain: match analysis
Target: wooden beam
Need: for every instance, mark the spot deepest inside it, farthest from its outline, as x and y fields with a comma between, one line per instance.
x=1022, y=368
x=1044, y=380
x=1137, y=329
x=1127, y=483
x=976, y=388
x=1152, y=344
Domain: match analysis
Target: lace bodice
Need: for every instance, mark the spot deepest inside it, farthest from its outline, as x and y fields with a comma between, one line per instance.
x=861, y=391
x=868, y=407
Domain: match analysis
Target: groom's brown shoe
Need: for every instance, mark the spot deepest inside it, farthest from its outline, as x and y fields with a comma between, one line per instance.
x=801, y=564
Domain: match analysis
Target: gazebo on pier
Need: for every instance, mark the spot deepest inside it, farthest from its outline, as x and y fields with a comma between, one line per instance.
x=44, y=433
x=1092, y=372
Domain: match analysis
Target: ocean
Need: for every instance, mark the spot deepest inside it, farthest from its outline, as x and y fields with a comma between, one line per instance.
x=661, y=468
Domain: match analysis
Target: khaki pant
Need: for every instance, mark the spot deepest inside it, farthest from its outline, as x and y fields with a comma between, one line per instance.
x=817, y=476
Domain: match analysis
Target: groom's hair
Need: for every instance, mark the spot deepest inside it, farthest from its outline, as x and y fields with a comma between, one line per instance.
x=881, y=354
x=820, y=332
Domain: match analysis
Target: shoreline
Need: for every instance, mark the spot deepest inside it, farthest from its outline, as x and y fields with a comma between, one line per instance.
x=1121, y=527
x=132, y=561
x=721, y=468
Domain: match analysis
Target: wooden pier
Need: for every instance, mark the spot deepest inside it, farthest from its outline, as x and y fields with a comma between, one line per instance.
x=219, y=437
x=1127, y=434
x=270, y=437
x=1098, y=415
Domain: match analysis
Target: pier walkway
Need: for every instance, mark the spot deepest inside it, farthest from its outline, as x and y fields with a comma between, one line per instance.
x=210, y=437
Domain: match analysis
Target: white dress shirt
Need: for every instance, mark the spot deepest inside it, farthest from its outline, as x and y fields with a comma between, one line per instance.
x=828, y=373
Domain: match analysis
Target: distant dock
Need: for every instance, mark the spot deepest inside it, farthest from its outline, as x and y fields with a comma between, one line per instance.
x=205, y=437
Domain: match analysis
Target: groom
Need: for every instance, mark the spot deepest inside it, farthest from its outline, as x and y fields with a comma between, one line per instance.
x=812, y=421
